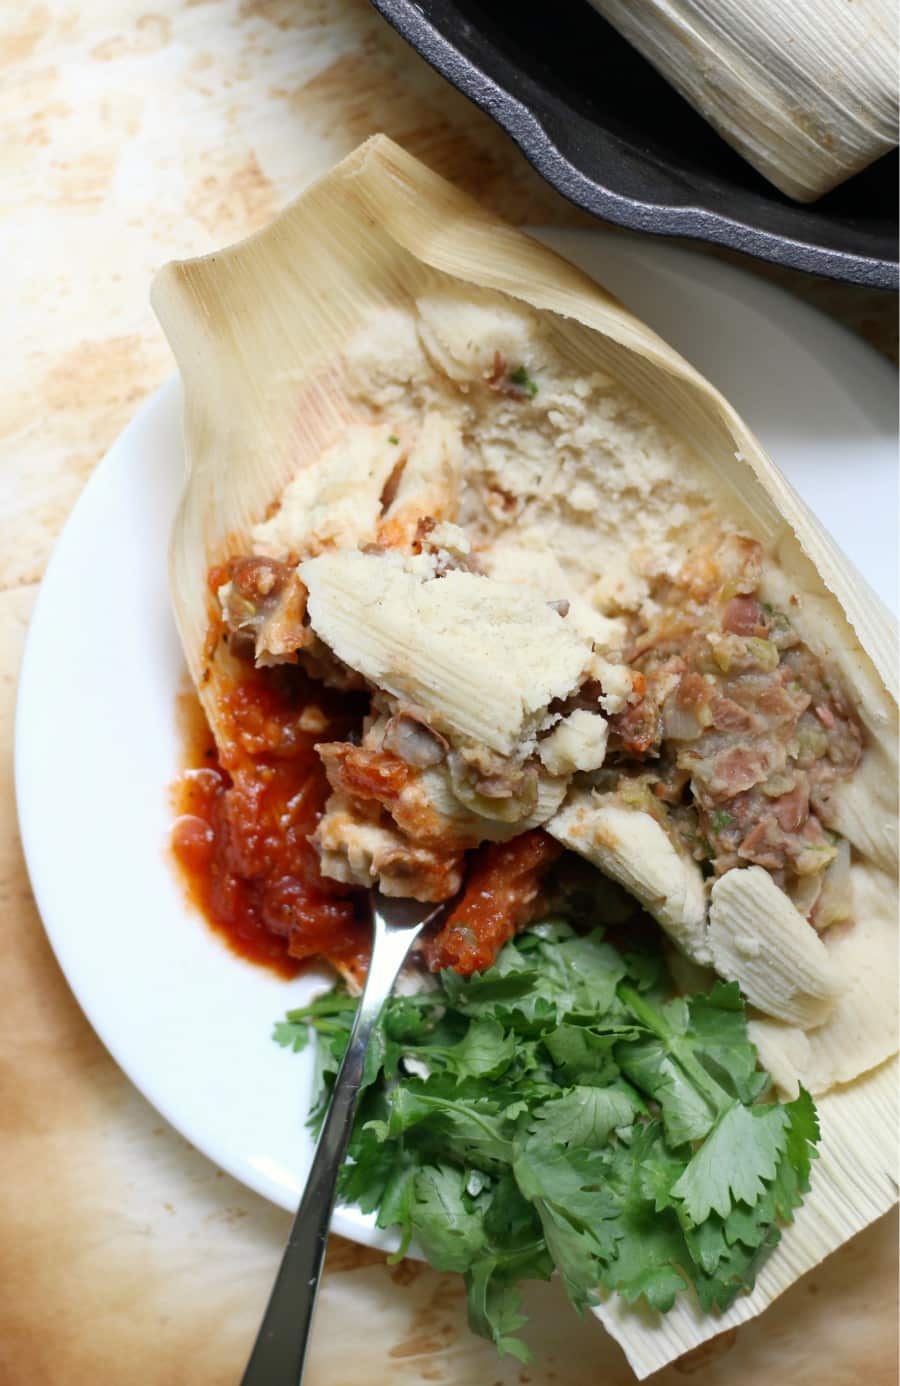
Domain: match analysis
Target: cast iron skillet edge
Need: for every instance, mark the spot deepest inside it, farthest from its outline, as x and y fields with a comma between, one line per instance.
x=487, y=76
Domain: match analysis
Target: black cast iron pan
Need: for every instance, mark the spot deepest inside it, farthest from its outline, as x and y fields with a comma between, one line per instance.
x=608, y=132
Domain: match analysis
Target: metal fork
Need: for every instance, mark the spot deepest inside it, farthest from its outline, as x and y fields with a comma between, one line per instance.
x=279, y=1352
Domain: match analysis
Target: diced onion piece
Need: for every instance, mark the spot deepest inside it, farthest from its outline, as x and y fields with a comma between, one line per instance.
x=414, y=741
x=835, y=899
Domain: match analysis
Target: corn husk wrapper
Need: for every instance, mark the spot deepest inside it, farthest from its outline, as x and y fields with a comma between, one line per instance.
x=258, y=332
x=805, y=90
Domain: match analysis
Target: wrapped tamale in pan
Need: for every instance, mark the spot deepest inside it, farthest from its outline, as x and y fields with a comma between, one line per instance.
x=806, y=91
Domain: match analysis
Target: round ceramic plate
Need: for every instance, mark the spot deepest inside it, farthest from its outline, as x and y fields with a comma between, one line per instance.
x=97, y=744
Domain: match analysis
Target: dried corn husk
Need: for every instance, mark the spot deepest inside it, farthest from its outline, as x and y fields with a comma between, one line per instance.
x=633, y=848
x=259, y=332
x=759, y=939
x=861, y=1029
x=805, y=91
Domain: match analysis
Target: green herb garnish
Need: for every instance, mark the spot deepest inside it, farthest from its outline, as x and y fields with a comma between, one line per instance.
x=564, y=1111
x=523, y=381
x=393, y=438
x=720, y=820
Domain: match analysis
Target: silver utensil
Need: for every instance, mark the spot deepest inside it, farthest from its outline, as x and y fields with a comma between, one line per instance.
x=280, y=1349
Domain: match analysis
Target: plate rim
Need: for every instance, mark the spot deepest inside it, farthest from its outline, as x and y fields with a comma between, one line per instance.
x=346, y=1221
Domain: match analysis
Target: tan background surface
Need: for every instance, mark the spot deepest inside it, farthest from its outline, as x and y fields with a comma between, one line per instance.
x=128, y=137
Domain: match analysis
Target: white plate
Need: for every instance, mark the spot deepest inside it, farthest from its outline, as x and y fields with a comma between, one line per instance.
x=96, y=741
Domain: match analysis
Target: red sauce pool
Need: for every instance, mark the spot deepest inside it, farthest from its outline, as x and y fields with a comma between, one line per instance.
x=245, y=815
x=247, y=809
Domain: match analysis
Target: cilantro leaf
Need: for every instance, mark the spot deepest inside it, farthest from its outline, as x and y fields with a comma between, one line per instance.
x=647, y=970
x=332, y=1009
x=803, y=1135
x=695, y=1058
x=291, y=1035
x=515, y=1251
x=560, y=973
x=719, y=1033
x=648, y=1247
x=448, y=1229
x=510, y=1222
x=581, y=975
x=329, y=1017
x=575, y=1182
x=577, y=1212
x=735, y=1271
x=495, y=1309
x=372, y=1164
x=585, y=1055
x=574, y=1255
x=485, y=1051
x=395, y=1205
x=735, y=1162
x=649, y=1252
x=469, y=1128
x=687, y=1113
x=586, y=1116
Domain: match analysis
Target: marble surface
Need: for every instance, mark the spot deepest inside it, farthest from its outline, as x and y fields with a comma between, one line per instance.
x=129, y=135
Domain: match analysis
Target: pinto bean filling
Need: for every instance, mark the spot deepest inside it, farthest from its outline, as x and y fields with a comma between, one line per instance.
x=738, y=732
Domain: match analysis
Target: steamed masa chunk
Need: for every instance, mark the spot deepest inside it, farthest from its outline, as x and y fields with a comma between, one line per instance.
x=482, y=658
x=338, y=502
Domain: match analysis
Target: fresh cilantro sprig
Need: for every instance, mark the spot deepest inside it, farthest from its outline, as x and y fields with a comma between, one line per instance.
x=563, y=1110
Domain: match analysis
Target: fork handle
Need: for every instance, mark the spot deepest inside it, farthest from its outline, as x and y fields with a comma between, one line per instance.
x=279, y=1352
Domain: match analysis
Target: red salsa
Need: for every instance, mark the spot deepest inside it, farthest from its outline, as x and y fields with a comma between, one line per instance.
x=501, y=893
x=245, y=815
x=247, y=809
x=250, y=799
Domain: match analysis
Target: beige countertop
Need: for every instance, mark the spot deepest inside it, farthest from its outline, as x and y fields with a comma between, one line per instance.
x=129, y=135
